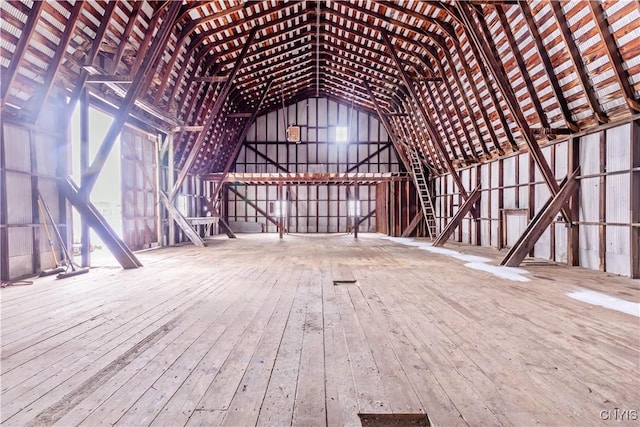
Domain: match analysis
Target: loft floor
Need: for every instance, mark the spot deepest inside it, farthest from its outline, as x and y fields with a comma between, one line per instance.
x=253, y=331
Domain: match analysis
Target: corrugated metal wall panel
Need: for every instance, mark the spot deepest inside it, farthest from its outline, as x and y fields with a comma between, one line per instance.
x=589, y=188
x=588, y=249
x=18, y=198
x=618, y=250
x=618, y=198
x=618, y=148
x=17, y=152
x=590, y=154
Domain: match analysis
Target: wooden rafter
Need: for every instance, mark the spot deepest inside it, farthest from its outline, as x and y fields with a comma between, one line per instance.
x=28, y=30
x=213, y=115
x=432, y=132
x=140, y=82
x=576, y=61
x=480, y=40
x=548, y=66
x=614, y=55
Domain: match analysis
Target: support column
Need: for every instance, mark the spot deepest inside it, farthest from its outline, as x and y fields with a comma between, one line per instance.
x=356, y=214
x=171, y=174
x=635, y=200
x=573, y=233
x=84, y=167
x=282, y=210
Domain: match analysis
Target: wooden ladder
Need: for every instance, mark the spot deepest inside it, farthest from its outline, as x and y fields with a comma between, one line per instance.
x=420, y=180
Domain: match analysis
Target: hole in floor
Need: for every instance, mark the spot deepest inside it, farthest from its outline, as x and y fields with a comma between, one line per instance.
x=344, y=282
x=394, y=420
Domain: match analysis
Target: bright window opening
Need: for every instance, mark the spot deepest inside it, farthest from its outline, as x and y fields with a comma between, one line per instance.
x=342, y=134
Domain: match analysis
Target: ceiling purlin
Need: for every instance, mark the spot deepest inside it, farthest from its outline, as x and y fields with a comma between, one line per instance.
x=444, y=102
x=522, y=68
x=548, y=66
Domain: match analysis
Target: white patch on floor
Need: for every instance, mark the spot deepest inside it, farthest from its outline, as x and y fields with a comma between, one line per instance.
x=509, y=273
x=606, y=301
x=472, y=261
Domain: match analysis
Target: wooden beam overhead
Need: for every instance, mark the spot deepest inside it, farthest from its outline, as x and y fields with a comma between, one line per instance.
x=112, y=78
x=613, y=54
x=432, y=132
x=578, y=64
x=548, y=66
x=144, y=75
x=213, y=115
x=482, y=39
x=240, y=140
x=211, y=79
x=23, y=42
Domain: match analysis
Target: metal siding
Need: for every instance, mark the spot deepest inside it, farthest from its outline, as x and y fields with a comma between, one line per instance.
x=588, y=247
x=589, y=200
x=18, y=198
x=618, y=154
x=618, y=250
x=618, y=198
x=561, y=159
x=509, y=170
x=561, y=243
x=20, y=251
x=16, y=148
x=590, y=154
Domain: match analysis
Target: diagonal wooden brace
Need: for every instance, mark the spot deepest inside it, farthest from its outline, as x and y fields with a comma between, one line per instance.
x=99, y=224
x=181, y=221
x=463, y=210
x=541, y=221
x=417, y=219
x=254, y=206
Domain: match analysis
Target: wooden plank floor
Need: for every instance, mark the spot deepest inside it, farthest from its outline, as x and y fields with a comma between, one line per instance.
x=253, y=331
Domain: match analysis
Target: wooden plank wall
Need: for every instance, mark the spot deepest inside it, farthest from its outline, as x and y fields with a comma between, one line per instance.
x=318, y=208
x=608, y=232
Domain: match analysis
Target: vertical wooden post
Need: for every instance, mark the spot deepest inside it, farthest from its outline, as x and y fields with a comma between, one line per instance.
x=602, y=203
x=573, y=233
x=35, y=215
x=84, y=167
x=356, y=214
x=4, y=231
x=635, y=200
x=501, y=226
x=171, y=175
x=281, y=213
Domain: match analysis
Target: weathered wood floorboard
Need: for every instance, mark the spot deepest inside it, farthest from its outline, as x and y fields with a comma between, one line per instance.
x=253, y=331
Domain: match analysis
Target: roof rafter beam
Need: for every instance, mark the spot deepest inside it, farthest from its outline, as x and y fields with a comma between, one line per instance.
x=432, y=132
x=481, y=41
x=215, y=109
x=548, y=66
x=577, y=63
x=522, y=67
x=140, y=83
x=28, y=30
x=615, y=59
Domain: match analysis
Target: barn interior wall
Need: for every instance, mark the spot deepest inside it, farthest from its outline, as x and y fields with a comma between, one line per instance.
x=513, y=191
x=321, y=208
x=30, y=159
